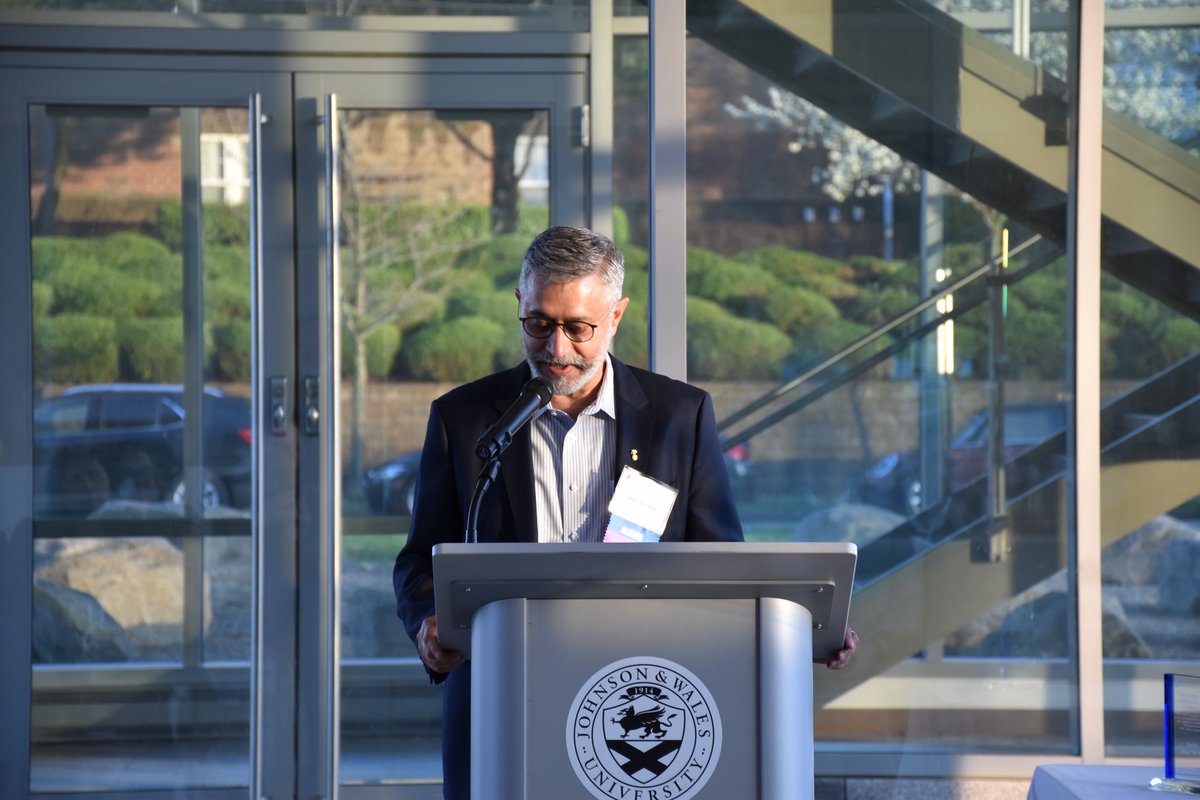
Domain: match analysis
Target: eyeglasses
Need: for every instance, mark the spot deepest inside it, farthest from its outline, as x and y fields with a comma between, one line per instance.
x=576, y=330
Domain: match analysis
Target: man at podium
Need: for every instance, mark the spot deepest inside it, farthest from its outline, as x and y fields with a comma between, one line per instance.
x=560, y=470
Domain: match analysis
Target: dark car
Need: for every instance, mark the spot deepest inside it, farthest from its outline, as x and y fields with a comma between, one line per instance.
x=390, y=487
x=894, y=481
x=102, y=441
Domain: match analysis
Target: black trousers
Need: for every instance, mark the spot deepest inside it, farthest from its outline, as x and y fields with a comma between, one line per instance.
x=456, y=734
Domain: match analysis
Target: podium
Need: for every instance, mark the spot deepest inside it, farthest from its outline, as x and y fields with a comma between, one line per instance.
x=670, y=671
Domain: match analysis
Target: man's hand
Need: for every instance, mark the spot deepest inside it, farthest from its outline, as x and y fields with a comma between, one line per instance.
x=431, y=651
x=846, y=653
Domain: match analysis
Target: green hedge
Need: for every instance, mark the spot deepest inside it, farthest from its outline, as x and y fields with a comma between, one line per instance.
x=43, y=299
x=382, y=345
x=50, y=253
x=794, y=309
x=88, y=288
x=738, y=286
x=151, y=349
x=229, y=356
x=107, y=308
x=1180, y=338
x=75, y=348
x=499, y=259
x=632, y=343
x=827, y=277
x=453, y=351
x=223, y=225
x=722, y=346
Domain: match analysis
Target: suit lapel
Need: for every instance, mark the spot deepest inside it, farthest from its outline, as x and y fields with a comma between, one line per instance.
x=635, y=430
x=635, y=437
x=516, y=465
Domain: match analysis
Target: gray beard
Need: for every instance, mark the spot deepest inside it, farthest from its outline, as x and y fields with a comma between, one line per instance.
x=563, y=386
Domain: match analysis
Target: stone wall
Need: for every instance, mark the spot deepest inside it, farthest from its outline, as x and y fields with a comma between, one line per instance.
x=858, y=423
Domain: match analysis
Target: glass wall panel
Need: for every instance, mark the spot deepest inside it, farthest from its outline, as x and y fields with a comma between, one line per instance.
x=631, y=188
x=877, y=301
x=1151, y=370
x=142, y=437
x=437, y=210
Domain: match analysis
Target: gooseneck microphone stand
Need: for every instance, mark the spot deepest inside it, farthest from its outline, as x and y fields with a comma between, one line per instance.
x=496, y=439
x=487, y=476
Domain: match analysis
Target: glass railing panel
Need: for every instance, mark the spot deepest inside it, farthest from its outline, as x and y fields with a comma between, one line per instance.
x=1150, y=466
x=631, y=188
x=807, y=233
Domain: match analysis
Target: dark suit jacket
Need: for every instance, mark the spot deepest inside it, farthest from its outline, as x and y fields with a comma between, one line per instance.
x=668, y=424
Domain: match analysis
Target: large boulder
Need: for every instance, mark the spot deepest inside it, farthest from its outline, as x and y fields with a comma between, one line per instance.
x=1134, y=559
x=138, y=582
x=1179, y=576
x=227, y=564
x=848, y=522
x=1035, y=630
x=370, y=628
x=70, y=627
x=1156, y=565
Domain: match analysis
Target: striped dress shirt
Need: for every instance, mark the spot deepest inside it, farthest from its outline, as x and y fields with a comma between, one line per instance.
x=573, y=466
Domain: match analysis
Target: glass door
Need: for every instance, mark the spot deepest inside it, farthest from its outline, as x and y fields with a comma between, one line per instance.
x=225, y=321
x=139, y=623
x=443, y=176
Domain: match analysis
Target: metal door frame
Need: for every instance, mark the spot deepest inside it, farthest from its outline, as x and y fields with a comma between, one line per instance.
x=555, y=84
x=273, y=673
x=296, y=754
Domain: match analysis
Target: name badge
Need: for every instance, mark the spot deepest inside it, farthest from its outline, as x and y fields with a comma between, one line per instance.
x=639, y=508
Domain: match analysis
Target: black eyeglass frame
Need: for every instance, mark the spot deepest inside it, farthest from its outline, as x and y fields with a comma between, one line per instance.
x=552, y=326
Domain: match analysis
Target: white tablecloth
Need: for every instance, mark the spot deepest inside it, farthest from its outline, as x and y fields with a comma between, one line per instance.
x=1094, y=782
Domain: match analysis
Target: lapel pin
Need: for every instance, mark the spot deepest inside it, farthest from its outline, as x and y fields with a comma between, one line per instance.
x=633, y=454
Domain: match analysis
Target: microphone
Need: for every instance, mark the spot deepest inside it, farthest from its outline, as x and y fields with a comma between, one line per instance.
x=496, y=439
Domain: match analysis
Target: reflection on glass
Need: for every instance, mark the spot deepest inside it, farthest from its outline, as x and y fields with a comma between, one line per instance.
x=437, y=210
x=631, y=187
x=885, y=336
x=1149, y=419
x=132, y=602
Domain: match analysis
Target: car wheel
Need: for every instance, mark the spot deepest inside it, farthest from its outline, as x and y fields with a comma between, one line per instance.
x=212, y=492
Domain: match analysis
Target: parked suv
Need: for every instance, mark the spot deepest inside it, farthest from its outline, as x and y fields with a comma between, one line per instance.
x=97, y=442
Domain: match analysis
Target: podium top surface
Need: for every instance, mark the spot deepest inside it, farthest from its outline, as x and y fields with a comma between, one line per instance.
x=818, y=576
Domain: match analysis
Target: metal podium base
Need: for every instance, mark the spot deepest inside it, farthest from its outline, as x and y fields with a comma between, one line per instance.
x=671, y=699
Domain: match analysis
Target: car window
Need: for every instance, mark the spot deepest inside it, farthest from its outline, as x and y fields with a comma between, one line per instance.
x=1021, y=424
x=131, y=410
x=61, y=415
x=1033, y=424
x=170, y=412
x=974, y=432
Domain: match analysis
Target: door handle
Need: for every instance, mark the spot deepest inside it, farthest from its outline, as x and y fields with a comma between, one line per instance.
x=312, y=405
x=279, y=410
x=331, y=447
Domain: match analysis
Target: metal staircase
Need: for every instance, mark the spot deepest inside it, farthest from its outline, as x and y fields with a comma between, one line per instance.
x=943, y=96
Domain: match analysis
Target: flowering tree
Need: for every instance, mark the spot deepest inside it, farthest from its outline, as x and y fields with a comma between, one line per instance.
x=856, y=165
x=1152, y=75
